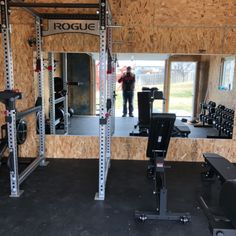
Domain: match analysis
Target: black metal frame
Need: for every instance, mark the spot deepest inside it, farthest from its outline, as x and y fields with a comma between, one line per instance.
x=52, y=5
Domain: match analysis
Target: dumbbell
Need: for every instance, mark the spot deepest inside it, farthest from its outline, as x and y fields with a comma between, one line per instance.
x=210, y=121
x=221, y=107
x=203, y=106
x=212, y=110
x=201, y=117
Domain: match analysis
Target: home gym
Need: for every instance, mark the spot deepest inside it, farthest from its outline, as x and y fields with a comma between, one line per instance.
x=73, y=163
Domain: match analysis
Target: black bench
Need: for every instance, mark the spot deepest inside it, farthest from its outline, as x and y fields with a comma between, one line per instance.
x=225, y=171
x=220, y=166
x=181, y=129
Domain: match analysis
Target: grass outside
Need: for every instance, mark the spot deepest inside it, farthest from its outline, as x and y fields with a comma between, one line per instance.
x=180, y=98
x=181, y=95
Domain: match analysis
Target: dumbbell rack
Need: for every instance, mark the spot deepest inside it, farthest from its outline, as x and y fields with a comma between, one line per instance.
x=206, y=115
x=223, y=122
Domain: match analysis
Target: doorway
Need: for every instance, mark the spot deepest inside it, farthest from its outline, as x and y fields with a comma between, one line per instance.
x=182, y=87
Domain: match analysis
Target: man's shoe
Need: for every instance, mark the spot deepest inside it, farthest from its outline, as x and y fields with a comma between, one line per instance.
x=131, y=115
x=124, y=115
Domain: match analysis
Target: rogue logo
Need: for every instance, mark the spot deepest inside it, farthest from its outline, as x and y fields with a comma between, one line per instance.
x=72, y=26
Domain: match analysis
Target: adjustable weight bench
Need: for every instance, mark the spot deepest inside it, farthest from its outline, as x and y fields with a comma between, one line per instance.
x=159, y=137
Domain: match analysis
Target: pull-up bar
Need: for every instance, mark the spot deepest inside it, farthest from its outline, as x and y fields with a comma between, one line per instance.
x=53, y=5
x=69, y=16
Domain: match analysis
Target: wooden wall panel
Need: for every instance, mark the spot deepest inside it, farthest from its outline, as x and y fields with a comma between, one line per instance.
x=71, y=43
x=83, y=147
x=229, y=41
x=202, y=12
x=170, y=26
x=135, y=13
x=130, y=148
x=142, y=40
x=187, y=40
x=21, y=17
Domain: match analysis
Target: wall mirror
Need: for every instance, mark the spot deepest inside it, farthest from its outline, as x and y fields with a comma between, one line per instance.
x=189, y=84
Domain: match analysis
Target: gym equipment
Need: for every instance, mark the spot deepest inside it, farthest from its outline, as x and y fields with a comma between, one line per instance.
x=222, y=216
x=107, y=62
x=145, y=109
x=58, y=102
x=223, y=119
x=3, y=141
x=71, y=111
x=207, y=112
x=158, y=142
x=21, y=130
x=180, y=130
x=9, y=96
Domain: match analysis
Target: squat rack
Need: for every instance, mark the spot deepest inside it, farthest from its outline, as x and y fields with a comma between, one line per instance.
x=106, y=76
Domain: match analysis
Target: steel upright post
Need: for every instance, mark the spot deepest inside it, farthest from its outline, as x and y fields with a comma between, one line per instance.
x=40, y=78
x=109, y=96
x=65, y=87
x=52, y=92
x=11, y=113
x=113, y=92
x=103, y=99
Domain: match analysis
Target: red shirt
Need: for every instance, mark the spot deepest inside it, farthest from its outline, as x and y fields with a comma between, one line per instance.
x=128, y=81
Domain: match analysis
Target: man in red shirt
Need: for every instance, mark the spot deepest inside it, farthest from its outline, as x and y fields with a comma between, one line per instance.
x=128, y=82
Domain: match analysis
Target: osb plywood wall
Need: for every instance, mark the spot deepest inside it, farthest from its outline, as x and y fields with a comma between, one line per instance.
x=226, y=98
x=134, y=148
x=170, y=26
x=175, y=26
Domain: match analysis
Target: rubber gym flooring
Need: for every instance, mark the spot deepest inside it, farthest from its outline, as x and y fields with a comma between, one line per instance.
x=59, y=200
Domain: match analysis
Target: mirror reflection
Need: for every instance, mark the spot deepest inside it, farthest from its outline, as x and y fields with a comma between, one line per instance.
x=198, y=89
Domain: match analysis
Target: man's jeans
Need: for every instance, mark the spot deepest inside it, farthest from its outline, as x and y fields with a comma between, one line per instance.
x=128, y=97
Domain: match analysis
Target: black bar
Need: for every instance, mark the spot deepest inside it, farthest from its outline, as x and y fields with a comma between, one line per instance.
x=70, y=16
x=3, y=15
x=103, y=121
x=53, y=5
x=72, y=83
x=28, y=112
x=103, y=14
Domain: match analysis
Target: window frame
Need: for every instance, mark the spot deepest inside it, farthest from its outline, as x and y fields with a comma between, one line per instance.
x=222, y=80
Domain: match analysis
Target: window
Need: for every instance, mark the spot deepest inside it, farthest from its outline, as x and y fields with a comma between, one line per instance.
x=227, y=73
